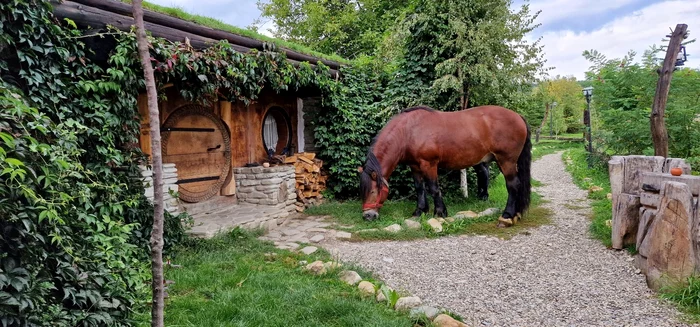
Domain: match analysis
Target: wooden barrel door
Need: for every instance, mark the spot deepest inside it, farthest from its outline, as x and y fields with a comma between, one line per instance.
x=199, y=145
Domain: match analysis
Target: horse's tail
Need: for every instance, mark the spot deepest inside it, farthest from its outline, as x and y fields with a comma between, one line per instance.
x=524, y=162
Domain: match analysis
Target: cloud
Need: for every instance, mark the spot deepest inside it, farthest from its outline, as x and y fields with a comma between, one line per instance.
x=558, y=10
x=637, y=31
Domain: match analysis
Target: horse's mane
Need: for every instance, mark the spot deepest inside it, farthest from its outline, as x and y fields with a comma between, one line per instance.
x=426, y=108
x=372, y=163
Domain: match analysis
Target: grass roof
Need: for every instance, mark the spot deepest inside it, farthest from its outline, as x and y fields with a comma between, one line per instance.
x=217, y=24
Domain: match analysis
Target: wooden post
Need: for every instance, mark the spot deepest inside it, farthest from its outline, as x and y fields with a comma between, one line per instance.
x=463, y=182
x=659, y=134
x=227, y=117
x=145, y=136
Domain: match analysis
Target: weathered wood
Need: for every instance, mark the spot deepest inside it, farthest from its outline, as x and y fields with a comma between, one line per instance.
x=98, y=18
x=145, y=135
x=635, y=166
x=626, y=221
x=616, y=171
x=229, y=187
x=668, y=243
x=656, y=180
x=659, y=134
x=650, y=199
x=646, y=217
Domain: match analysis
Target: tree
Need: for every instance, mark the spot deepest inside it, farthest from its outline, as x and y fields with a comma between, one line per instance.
x=347, y=28
x=486, y=56
x=568, y=113
x=157, y=307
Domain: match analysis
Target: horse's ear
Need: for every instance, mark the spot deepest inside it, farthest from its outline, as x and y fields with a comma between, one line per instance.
x=374, y=175
x=359, y=169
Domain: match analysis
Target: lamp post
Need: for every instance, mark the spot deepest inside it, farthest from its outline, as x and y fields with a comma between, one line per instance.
x=551, y=115
x=588, y=92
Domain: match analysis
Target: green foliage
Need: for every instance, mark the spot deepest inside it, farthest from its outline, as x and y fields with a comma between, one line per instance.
x=686, y=295
x=347, y=28
x=66, y=257
x=568, y=111
x=622, y=100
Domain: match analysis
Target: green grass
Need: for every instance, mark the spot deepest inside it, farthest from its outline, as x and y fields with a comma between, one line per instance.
x=584, y=177
x=217, y=24
x=687, y=298
x=545, y=147
x=395, y=212
x=230, y=281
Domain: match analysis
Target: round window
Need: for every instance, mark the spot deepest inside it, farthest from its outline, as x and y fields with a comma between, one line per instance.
x=277, y=132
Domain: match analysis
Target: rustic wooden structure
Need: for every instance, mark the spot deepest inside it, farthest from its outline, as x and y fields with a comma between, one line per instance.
x=210, y=144
x=659, y=214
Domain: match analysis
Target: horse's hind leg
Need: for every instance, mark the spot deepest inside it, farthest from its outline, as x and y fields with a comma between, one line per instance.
x=509, y=216
x=431, y=181
x=422, y=196
x=482, y=180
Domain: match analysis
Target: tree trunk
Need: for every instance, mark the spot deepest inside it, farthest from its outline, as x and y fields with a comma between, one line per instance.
x=659, y=134
x=157, y=232
x=465, y=97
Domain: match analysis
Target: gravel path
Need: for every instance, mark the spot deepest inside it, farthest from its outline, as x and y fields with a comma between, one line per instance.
x=556, y=276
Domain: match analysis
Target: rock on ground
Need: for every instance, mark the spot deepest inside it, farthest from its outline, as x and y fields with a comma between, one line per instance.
x=574, y=282
x=412, y=224
x=435, y=224
x=366, y=288
x=408, y=302
x=350, y=277
x=444, y=320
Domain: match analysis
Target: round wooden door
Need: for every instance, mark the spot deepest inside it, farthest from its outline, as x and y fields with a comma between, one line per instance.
x=200, y=146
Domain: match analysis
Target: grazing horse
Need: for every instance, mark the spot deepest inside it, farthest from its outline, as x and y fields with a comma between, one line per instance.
x=426, y=139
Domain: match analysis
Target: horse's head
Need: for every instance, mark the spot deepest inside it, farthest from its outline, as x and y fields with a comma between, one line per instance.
x=374, y=190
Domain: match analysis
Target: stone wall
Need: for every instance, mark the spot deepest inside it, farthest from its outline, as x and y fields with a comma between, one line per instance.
x=658, y=213
x=169, y=183
x=273, y=186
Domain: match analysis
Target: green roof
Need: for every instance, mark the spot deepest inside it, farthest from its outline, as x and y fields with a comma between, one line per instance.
x=217, y=24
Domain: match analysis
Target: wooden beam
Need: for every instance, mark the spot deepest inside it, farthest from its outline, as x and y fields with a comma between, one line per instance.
x=98, y=18
x=186, y=26
x=659, y=134
x=227, y=116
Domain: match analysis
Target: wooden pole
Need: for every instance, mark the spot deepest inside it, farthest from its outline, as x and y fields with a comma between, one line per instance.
x=157, y=231
x=659, y=134
x=227, y=117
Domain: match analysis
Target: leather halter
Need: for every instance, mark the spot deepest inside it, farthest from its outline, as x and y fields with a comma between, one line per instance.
x=383, y=194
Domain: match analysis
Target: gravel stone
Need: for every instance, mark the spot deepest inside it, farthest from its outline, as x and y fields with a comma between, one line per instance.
x=574, y=282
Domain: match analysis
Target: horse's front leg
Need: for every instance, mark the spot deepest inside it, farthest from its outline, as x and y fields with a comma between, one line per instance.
x=422, y=196
x=431, y=180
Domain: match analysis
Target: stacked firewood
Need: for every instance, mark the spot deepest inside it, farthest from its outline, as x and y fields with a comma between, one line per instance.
x=310, y=180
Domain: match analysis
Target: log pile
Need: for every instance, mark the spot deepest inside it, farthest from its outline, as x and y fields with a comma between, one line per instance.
x=310, y=180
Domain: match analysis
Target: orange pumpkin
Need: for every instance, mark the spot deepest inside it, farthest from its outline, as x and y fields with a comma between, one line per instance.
x=676, y=171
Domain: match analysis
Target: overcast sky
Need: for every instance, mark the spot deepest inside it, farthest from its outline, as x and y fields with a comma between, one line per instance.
x=569, y=27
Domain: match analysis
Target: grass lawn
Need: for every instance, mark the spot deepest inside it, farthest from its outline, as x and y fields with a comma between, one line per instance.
x=230, y=281
x=348, y=213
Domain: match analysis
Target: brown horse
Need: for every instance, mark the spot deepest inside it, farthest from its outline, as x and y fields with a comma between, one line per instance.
x=426, y=139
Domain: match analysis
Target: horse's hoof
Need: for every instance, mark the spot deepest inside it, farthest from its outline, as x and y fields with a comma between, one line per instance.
x=505, y=222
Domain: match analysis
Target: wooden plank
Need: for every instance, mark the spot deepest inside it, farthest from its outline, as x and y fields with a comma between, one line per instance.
x=306, y=160
x=635, y=166
x=290, y=160
x=309, y=155
x=229, y=187
x=651, y=200
x=656, y=180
